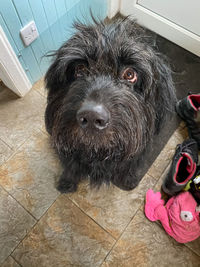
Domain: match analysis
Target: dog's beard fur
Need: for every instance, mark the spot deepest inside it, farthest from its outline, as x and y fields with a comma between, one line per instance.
x=137, y=110
x=127, y=134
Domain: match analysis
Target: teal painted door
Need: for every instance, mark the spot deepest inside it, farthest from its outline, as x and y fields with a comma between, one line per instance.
x=53, y=19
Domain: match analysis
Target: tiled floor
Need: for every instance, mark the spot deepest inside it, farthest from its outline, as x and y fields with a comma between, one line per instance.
x=39, y=227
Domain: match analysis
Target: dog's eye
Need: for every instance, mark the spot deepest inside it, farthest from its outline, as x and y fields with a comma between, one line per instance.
x=80, y=70
x=130, y=75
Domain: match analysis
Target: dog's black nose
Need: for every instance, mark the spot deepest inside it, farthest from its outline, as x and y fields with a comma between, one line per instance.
x=93, y=116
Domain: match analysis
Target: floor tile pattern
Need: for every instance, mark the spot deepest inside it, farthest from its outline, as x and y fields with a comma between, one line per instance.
x=106, y=227
x=65, y=236
x=15, y=223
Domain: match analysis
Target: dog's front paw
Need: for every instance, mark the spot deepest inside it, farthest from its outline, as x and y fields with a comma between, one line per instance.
x=128, y=183
x=127, y=186
x=66, y=186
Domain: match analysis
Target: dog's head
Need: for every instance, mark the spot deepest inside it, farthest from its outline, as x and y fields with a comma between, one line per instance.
x=108, y=91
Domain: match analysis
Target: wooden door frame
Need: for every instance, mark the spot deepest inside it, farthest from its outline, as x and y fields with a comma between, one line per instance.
x=11, y=72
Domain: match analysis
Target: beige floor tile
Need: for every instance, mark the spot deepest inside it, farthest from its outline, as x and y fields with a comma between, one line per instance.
x=30, y=175
x=194, y=246
x=10, y=262
x=15, y=222
x=162, y=178
x=65, y=236
x=20, y=117
x=166, y=155
x=5, y=152
x=39, y=86
x=111, y=207
x=145, y=243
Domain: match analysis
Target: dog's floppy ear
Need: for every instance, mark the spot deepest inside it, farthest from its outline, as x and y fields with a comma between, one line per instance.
x=59, y=72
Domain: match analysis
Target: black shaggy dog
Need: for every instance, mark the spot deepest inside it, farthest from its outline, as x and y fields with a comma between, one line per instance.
x=108, y=94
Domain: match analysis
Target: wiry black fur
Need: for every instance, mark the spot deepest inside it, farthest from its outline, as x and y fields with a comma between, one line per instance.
x=137, y=110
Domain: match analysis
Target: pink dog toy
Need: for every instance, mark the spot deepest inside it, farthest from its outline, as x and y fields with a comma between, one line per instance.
x=179, y=217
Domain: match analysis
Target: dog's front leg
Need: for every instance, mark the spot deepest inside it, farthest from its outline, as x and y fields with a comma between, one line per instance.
x=74, y=171
x=71, y=176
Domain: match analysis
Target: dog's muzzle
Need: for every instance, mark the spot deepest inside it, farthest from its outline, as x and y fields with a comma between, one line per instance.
x=93, y=116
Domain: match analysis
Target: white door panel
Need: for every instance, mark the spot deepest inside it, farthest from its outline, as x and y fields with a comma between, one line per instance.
x=182, y=12
x=162, y=17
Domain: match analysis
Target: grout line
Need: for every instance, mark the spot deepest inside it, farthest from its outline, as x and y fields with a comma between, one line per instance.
x=120, y=236
x=91, y=218
x=13, y=154
x=6, y=144
x=22, y=241
x=15, y=151
x=38, y=92
x=44, y=132
x=18, y=203
x=191, y=250
x=157, y=180
x=16, y=261
x=37, y=221
x=13, y=259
